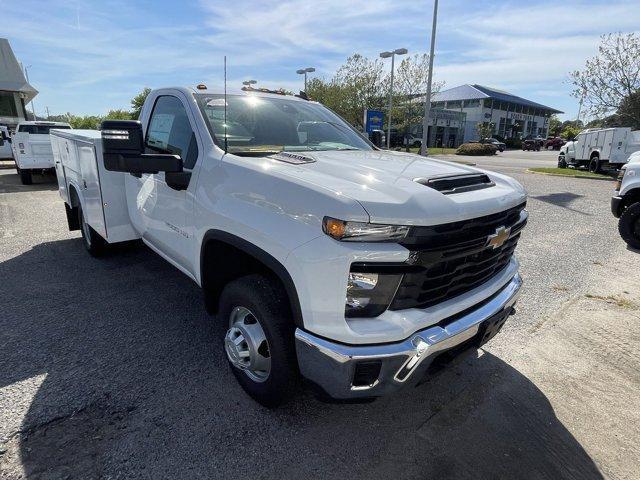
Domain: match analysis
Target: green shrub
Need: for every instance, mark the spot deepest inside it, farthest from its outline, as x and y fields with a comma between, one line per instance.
x=476, y=149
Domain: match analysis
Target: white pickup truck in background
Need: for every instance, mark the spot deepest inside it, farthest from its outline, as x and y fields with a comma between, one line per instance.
x=32, y=147
x=625, y=204
x=320, y=254
x=5, y=143
x=600, y=149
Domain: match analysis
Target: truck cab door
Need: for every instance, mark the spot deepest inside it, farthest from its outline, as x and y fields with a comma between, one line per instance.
x=164, y=215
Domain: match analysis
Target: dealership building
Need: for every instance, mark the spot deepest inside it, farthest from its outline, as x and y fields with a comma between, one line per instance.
x=511, y=116
x=15, y=91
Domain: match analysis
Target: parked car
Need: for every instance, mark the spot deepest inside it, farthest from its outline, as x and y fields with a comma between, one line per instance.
x=531, y=144
x=625, y=204
x=316, y=252
x=600, y=148
x=553, y=143
x=32, y=147
x=497, y=143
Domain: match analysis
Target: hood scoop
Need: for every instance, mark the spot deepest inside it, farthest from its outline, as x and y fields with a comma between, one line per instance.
x=294, y=158
x=451, y=184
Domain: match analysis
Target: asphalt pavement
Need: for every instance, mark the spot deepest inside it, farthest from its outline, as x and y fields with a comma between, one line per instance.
x=111, y=368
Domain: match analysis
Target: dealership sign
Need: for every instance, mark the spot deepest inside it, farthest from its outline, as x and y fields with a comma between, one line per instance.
x=373, y=120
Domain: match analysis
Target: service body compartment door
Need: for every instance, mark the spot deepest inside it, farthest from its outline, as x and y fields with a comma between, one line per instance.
x=59, y=149
x=93, y=205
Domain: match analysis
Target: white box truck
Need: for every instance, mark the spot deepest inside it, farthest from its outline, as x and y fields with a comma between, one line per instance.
x=32, y=147
x=320, y=254
x=600, y=149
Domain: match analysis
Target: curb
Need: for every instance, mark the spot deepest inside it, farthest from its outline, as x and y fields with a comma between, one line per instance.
x=570, y=176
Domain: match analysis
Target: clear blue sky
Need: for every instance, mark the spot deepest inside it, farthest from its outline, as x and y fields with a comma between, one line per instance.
x=87, y=57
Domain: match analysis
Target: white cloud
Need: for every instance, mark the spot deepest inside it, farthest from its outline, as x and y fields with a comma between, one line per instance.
x=79, y=48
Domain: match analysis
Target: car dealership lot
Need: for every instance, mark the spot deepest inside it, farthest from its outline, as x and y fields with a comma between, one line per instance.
x=111, y=368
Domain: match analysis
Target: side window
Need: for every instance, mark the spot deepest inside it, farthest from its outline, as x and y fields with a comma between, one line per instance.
x=169, y=131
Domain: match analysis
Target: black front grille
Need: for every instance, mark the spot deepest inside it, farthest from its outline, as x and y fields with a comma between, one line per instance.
x=455, y=258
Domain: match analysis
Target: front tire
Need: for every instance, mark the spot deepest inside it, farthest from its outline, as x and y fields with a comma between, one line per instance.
x=93, y=242
x=562, y=162
x=629, y=225
x=259, y=341
x=25, y=176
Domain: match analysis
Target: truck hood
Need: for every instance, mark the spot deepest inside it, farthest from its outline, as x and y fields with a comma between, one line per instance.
x=384, y=183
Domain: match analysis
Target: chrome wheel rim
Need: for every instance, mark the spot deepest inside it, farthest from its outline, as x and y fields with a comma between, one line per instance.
x=246, y=345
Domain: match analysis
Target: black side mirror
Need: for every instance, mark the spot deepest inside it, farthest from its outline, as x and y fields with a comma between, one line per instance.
x=376, y=138
x=123, y=147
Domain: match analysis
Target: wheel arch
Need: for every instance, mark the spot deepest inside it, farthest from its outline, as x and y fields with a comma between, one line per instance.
x=629, y=198
x=234, y=257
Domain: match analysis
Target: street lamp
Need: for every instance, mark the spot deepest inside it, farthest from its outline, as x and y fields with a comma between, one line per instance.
x=304, y=71
x=26, y=74
x=398, y=51
x=424, y=149
x=248, y=83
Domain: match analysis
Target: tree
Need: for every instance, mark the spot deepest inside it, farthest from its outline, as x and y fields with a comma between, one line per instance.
x=138, y=101
x=611, y=77
x=555, y=126
x=412, y=77
x=569, y=132
x=485, y=130
x=119, y=114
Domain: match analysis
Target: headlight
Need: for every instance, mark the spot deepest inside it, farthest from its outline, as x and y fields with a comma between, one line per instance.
x=363, y=232
x=369, y=294
x=619, y=179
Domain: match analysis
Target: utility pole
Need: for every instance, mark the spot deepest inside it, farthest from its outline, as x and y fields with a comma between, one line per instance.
x=26, y=74
x=48, y=114
x=424, y=150
x=397, y=51
x=580, y=106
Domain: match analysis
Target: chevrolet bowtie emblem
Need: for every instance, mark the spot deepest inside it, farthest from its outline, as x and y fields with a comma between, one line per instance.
x=497, y=239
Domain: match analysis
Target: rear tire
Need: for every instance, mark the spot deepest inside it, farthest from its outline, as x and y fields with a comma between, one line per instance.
x=629, y=225
x=594, y=165
x=25, y=177
x=93, y=242
x=266, y=303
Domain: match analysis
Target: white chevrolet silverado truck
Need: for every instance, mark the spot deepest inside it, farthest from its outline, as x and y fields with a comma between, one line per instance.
x=625, y=204
x=31, y=147
x=319, y=254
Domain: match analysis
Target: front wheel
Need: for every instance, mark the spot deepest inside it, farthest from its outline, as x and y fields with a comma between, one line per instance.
x=629, y=225
x=259, y=341
x=562, y=162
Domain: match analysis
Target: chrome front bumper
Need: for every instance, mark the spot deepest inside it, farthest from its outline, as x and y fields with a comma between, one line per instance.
x=332, y=366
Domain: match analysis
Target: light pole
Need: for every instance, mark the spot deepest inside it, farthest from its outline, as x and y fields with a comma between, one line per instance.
x=304, y=71
x=424, y=150
x=26, y=74
x=397, y=51
x=248, y=83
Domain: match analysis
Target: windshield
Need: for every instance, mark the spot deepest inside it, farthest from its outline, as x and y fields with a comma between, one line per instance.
x=41, y=129
x=259, y=125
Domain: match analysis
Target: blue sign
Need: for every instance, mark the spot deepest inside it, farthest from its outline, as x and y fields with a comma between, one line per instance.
x=373, y=120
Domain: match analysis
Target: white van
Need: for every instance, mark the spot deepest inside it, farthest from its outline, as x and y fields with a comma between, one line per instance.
x=32, y=147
